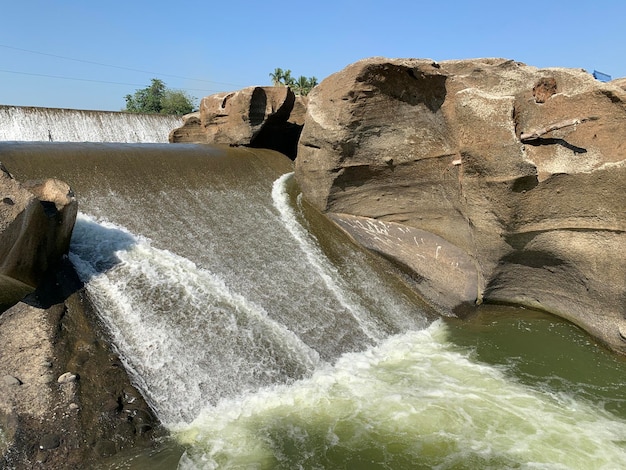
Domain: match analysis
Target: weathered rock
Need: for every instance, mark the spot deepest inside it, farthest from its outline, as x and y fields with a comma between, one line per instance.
x=36, y=222
x=620, y=82
x=10, y=380
x=259, y=117
x=40, y=339
x=437, y=147
x=66, y=378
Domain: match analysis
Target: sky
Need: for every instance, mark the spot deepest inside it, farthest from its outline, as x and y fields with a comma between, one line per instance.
x=90, y=55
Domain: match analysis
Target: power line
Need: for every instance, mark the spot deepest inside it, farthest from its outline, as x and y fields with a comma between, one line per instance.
x=90, y=80
x=116, y=66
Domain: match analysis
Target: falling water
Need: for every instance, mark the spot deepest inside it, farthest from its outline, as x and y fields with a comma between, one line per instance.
x=263, y=338
x=18, y=123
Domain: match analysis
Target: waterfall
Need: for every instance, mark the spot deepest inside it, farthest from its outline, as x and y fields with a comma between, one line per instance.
x=264, y=338
x=33, y=124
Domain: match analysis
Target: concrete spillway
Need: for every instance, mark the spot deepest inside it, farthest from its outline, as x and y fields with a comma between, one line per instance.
x=33, y=124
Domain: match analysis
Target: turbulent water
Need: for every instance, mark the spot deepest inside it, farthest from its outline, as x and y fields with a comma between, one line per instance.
x=264, y=339
x=19, y=123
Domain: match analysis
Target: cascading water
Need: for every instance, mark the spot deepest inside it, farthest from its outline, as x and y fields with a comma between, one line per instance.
x=264, y=339
x=18, y=123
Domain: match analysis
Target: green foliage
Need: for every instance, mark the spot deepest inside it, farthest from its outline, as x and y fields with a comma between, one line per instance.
x=300, y=86
x=158, y=99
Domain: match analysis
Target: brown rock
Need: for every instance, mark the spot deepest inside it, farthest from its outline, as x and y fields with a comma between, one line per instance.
x=38, y=340
x=620, y=82
x=259, y=117
x=436, y=147
x=36, y=222
x=544, y=89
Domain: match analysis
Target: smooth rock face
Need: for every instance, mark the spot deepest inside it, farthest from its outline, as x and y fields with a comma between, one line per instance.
x=259, y=117
x=521, y=169
x=36, y=222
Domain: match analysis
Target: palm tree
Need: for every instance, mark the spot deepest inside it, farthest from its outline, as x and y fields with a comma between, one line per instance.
x=301, y=86
x=277, y=76
x=288, y=80
x=304, y=85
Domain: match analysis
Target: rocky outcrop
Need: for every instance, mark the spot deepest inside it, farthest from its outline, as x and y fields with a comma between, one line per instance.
x=259, y=117
x=36, y=222
x=65, y=398
x=620, y=82
x=489, y=179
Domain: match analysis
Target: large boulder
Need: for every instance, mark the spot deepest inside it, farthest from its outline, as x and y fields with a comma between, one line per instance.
x=488, y=179
x=259, y=117
x=36, y=222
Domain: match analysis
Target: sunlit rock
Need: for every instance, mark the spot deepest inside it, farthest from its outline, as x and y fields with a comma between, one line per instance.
x=259, y=117
x=521, y=169
x=36, y=222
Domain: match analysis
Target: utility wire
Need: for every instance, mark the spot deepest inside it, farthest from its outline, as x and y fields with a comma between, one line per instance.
x=90, y=80
x=116, y=66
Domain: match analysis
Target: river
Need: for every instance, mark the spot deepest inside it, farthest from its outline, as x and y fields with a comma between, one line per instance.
x=263, y=338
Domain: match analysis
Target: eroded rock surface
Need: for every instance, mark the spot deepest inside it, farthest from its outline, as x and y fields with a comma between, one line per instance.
x=65, y=398
x=520, y=171
x=36, y=222
x=259, y=117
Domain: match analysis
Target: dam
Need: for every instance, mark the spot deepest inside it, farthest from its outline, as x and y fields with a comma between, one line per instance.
x=34, y=124
x=263, y=338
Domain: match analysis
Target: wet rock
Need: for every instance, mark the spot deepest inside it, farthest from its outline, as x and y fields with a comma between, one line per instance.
x=49, y=441
x=105, y=448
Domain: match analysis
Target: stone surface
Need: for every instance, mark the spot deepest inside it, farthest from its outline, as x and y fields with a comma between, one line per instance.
x=436, y=147
x=259, y=117
x=66, y=378
x=36, y=222
x=620, y=82
x=40, y=339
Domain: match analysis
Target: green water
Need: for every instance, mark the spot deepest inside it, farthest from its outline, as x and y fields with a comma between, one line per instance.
x=508, y=388
x=545, y=352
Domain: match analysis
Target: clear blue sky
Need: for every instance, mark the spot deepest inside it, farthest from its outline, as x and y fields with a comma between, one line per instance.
x=209, y=46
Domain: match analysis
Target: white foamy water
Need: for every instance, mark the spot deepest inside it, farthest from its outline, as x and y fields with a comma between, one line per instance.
x=413, y=402
x=216, y=335
x=185, y=336
x=31, y=124
x=329, y=276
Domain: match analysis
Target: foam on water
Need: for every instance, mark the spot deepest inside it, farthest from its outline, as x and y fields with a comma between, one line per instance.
x=415, y=401
x=316, y=259
x=18, y=123
x=186, y=337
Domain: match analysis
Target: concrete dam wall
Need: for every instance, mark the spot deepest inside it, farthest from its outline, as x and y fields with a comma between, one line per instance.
x=32, y=124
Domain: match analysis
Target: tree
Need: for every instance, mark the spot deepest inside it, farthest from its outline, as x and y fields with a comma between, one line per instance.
x=277, y=77
x=301, y=86
x=177, y=102
x=158, y=99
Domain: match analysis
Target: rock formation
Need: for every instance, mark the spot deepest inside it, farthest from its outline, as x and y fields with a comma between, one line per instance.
x=259, y=117
x=36, y=222
x=488, y=179
x=65, y=398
